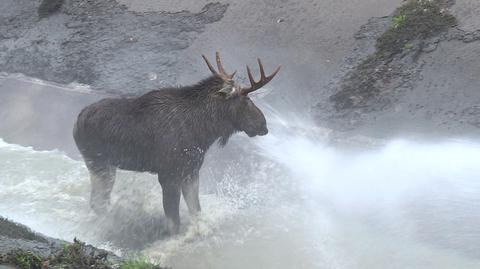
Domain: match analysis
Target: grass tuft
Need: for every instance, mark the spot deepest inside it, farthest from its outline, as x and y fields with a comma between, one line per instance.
x=139, y=263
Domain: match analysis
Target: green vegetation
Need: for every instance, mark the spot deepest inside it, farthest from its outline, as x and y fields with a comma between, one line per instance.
x=18, y=231
x=72, y=256
x=22, y=259
x=415, y=20
x=398, y=21
x=138, y=263
x=77, y=255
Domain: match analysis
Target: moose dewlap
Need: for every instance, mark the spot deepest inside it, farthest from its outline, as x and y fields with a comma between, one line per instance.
x=167, y=132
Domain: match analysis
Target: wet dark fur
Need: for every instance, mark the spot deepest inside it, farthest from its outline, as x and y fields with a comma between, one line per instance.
x=166, y=131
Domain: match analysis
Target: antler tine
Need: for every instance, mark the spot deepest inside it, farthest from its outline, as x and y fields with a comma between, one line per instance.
x=219, y=64
x=263, y=78
x=274, y=73
x=250, y=76
x=209, y=65
x=262, y=72
x=221, y=69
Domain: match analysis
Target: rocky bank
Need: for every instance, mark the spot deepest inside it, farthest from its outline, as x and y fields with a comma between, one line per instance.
x=412, y=74
x=24, y=249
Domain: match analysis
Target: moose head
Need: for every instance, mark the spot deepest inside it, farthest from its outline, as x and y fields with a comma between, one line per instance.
x=241, y=111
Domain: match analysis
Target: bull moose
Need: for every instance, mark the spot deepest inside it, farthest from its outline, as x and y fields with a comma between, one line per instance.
x=166, y=132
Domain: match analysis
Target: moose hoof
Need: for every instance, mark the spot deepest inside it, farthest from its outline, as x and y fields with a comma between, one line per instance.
x=100, y=208
x=172, y=227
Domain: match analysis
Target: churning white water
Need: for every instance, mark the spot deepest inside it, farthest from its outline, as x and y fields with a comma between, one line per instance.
x=295, y=201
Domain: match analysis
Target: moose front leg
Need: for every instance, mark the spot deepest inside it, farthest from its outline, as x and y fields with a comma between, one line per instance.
x=102, y=178
x=171, y=202
x=190, y=188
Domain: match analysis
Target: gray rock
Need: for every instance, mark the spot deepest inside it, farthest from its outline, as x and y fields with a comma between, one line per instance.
x=99, y=43
x=429, y=89
x=46, y=248
x=49, y=7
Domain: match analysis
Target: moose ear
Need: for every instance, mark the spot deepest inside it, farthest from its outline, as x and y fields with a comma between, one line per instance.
x=226, y=92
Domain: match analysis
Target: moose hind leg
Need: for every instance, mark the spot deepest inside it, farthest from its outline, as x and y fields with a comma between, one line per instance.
x=102, y=178
x=190, y=188
x=171, y=203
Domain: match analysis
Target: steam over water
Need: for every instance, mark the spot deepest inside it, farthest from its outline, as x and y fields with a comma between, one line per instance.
x=304, y=203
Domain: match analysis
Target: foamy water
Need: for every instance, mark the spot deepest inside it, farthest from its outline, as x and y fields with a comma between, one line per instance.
x=307, y=204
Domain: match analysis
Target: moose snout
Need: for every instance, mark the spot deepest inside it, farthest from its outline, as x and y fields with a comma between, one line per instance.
x=263, y=131
x=260, y=132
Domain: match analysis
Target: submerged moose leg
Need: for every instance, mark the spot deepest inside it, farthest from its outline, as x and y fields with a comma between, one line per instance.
x=171, y=202
x=102, y=178
x=190, y=188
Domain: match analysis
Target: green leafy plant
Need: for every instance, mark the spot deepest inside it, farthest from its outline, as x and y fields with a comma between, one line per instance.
x=139, y=263
x=399, y=20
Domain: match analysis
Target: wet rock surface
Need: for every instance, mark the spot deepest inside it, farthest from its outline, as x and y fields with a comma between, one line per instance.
x=424, y=88
x=22, y=248
x=99, y=43
x=49, y=7
x=26, y=249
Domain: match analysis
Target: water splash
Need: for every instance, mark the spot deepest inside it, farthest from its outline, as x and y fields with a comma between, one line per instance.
x=314, y=204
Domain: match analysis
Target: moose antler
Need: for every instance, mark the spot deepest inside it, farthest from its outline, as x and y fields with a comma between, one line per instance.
x=221, y=70
x=263, y=79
